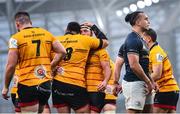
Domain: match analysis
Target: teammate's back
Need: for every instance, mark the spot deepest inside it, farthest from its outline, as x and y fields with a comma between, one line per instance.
x=73, y=65
x=77, y=47
x=30, y=48
x=34, y=46
x=34, y=43
x=69, y=84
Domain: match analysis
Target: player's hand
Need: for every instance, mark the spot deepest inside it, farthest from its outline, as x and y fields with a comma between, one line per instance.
x=102, y=86
x=117, y=89
x=156, y=87
x=53, y=72
x=88, y=24
x=149, y=87
x=4, y=93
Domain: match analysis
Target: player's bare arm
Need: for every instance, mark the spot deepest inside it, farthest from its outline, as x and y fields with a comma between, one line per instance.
x=107, y=73
x=9, y=71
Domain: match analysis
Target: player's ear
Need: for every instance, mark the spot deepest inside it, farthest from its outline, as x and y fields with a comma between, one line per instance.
x=17, y=25
x=149, y=39
x=31, y=22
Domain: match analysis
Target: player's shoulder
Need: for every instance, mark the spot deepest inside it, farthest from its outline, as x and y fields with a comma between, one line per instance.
x=103, y=50
x=39, y=28
x=81, y=37
x=16, y=35
x=157, y=49
x=13, y=35
x=84, y=39
x=59, y=37
x=132, y=36
x=132, y=39
x=42, y=30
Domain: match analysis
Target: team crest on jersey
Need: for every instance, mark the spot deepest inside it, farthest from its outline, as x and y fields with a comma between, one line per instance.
x=40, y=71
x=159, y=57
x=60, y=70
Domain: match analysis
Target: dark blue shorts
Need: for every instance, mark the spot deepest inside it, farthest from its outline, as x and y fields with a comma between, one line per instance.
x=167, y=100
x=96, y=101
x=64, y=94
x=109, y=101
x=31, y=95
x=15, y=102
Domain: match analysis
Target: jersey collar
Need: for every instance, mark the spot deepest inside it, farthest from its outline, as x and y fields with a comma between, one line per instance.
x=27, y=28
x=156, y=43
x=68, y=33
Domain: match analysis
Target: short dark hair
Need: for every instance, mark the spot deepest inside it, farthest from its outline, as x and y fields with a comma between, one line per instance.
x=132, y=17
x=150, y=32
x=22, y=17
x=73, y=27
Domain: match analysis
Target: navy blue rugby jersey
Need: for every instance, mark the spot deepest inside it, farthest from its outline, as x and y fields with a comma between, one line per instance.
x=136, y=45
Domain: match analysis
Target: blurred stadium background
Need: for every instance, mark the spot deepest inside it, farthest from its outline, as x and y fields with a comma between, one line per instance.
x=54, y=16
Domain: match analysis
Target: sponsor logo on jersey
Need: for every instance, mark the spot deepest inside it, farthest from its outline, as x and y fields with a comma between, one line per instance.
x=40, y=71
x=60, y=70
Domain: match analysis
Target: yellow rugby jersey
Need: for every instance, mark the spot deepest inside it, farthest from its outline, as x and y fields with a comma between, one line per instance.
x=34, y=46
x=167, y=81
x=94, y=72
x=72, y=69
x=110, y=96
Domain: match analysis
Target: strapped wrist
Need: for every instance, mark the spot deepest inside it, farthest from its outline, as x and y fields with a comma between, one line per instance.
x=98, y=32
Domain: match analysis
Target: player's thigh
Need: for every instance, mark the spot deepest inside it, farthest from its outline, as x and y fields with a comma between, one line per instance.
x=109, y=105
x=166, y=100
x=96, y=101
x=28, y=95
x=135, y=95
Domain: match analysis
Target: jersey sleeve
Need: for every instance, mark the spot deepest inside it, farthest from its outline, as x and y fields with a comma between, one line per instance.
x=121, y=51
x=51, y=36
x=156, y=58
x=54, y=39
x=133, y=45
x=104, y=56
x=94, y=43
x=13, y=43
